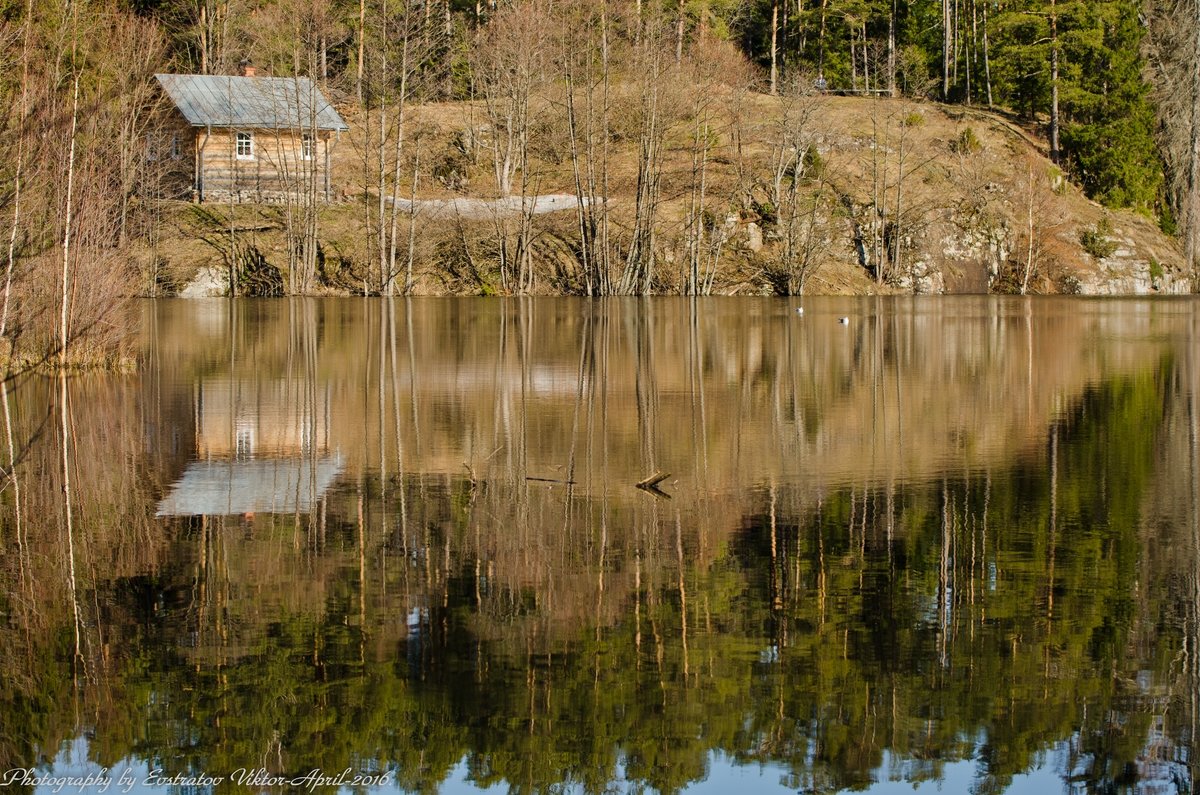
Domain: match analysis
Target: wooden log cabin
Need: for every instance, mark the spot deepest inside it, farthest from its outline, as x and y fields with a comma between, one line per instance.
x=248, y=138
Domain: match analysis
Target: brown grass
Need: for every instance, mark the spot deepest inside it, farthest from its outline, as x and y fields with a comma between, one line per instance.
x=944, y=190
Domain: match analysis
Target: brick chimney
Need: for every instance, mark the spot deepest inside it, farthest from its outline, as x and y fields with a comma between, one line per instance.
x=246, y=68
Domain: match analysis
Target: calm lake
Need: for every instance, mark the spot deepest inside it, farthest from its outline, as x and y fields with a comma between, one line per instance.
x=952, y=545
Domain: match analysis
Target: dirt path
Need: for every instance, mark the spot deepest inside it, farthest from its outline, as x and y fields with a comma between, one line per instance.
x=476, y=209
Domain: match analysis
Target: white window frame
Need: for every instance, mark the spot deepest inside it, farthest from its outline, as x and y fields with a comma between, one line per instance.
x=308, y=146
x=244, y=442
x=248, y=138
x=176, y=149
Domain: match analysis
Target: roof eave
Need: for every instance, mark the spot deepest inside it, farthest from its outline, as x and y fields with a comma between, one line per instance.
x=300, y=127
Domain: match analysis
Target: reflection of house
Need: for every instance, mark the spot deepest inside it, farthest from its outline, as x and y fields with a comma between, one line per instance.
x=248, y=138
x=222, y=488
x=245, y=419
x=263, y=448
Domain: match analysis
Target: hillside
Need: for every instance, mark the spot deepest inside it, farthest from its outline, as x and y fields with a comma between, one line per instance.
x=981, y=207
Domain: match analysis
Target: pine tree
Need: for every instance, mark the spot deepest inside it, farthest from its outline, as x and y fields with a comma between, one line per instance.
x=1078, y=63
x=1021, y=62
x=1108, y=136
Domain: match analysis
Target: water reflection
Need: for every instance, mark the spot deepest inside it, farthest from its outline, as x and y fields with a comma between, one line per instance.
x=263, y=447
x=406, y=535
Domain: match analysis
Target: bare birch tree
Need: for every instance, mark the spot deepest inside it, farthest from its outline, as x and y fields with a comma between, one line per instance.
x=510, y=70
x=1037, y=222
x=797, y=196
x=655, y=112
x=585, y=60
x=77, y=157
x=397, y=71
x=717, y=80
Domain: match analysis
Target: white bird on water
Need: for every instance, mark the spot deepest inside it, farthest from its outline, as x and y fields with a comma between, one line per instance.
x=799, y=310
x=845, y=321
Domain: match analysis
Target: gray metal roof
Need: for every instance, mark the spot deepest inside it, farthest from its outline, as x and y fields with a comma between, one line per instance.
x=225, y=488
x=251, y=102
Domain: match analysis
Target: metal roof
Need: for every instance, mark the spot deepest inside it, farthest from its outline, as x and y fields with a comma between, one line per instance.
x=251, y=102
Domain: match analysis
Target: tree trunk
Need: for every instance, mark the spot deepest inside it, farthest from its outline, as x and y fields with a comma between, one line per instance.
x=17, y=172
x=821, y=40
x=775, y=47
x=362, y=47
x=412, y=220
x=1055, y=152
x=866, y=58
x=586, y=239
x=878, y=194
x=381, y=188
x=954, y=42
x=204, y=42
x=604, y=265
x=853, y=64
x=801, y=29
x=987, y=63
x=398, y=153
x=897, y=224
x=679, y=28
x=945, y=49
x=1029, y=230
x=69, y=218
x=891, y=67
x=1192, y=209
x=969, y=50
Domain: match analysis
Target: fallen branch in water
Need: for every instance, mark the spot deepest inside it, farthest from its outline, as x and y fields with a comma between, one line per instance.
x=650, y=485
x=653, y=481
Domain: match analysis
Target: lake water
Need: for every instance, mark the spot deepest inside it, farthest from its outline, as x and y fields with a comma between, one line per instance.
x=952, y=544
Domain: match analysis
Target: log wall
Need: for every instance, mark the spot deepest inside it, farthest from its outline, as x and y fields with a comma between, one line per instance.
x=171, y=151
x=277, y=173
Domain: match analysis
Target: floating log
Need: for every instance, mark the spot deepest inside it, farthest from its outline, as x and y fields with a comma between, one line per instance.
x=653, y=481
x=650, y=485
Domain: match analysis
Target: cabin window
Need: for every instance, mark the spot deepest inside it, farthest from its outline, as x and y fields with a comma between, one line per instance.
x=244, y=449
x=175, y=150
x=245, y=146
x=151, y=148
x=308, y=146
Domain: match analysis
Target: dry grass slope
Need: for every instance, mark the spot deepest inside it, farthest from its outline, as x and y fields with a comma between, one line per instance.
x=891, y=195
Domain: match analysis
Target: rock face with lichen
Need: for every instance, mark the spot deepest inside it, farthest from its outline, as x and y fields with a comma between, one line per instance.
x=973, y=255
x=987, y=252
x=1133, y=269
x=966, y=254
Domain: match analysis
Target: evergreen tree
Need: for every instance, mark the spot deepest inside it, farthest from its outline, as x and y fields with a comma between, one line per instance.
x=1091, y=52
x=1022, y=56
x=1108, y=137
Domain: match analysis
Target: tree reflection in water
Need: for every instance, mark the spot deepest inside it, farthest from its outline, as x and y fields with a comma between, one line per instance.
x=955, y=530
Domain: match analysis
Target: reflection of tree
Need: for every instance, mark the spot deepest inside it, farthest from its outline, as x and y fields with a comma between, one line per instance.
x=49, y=674
x=575, y=628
